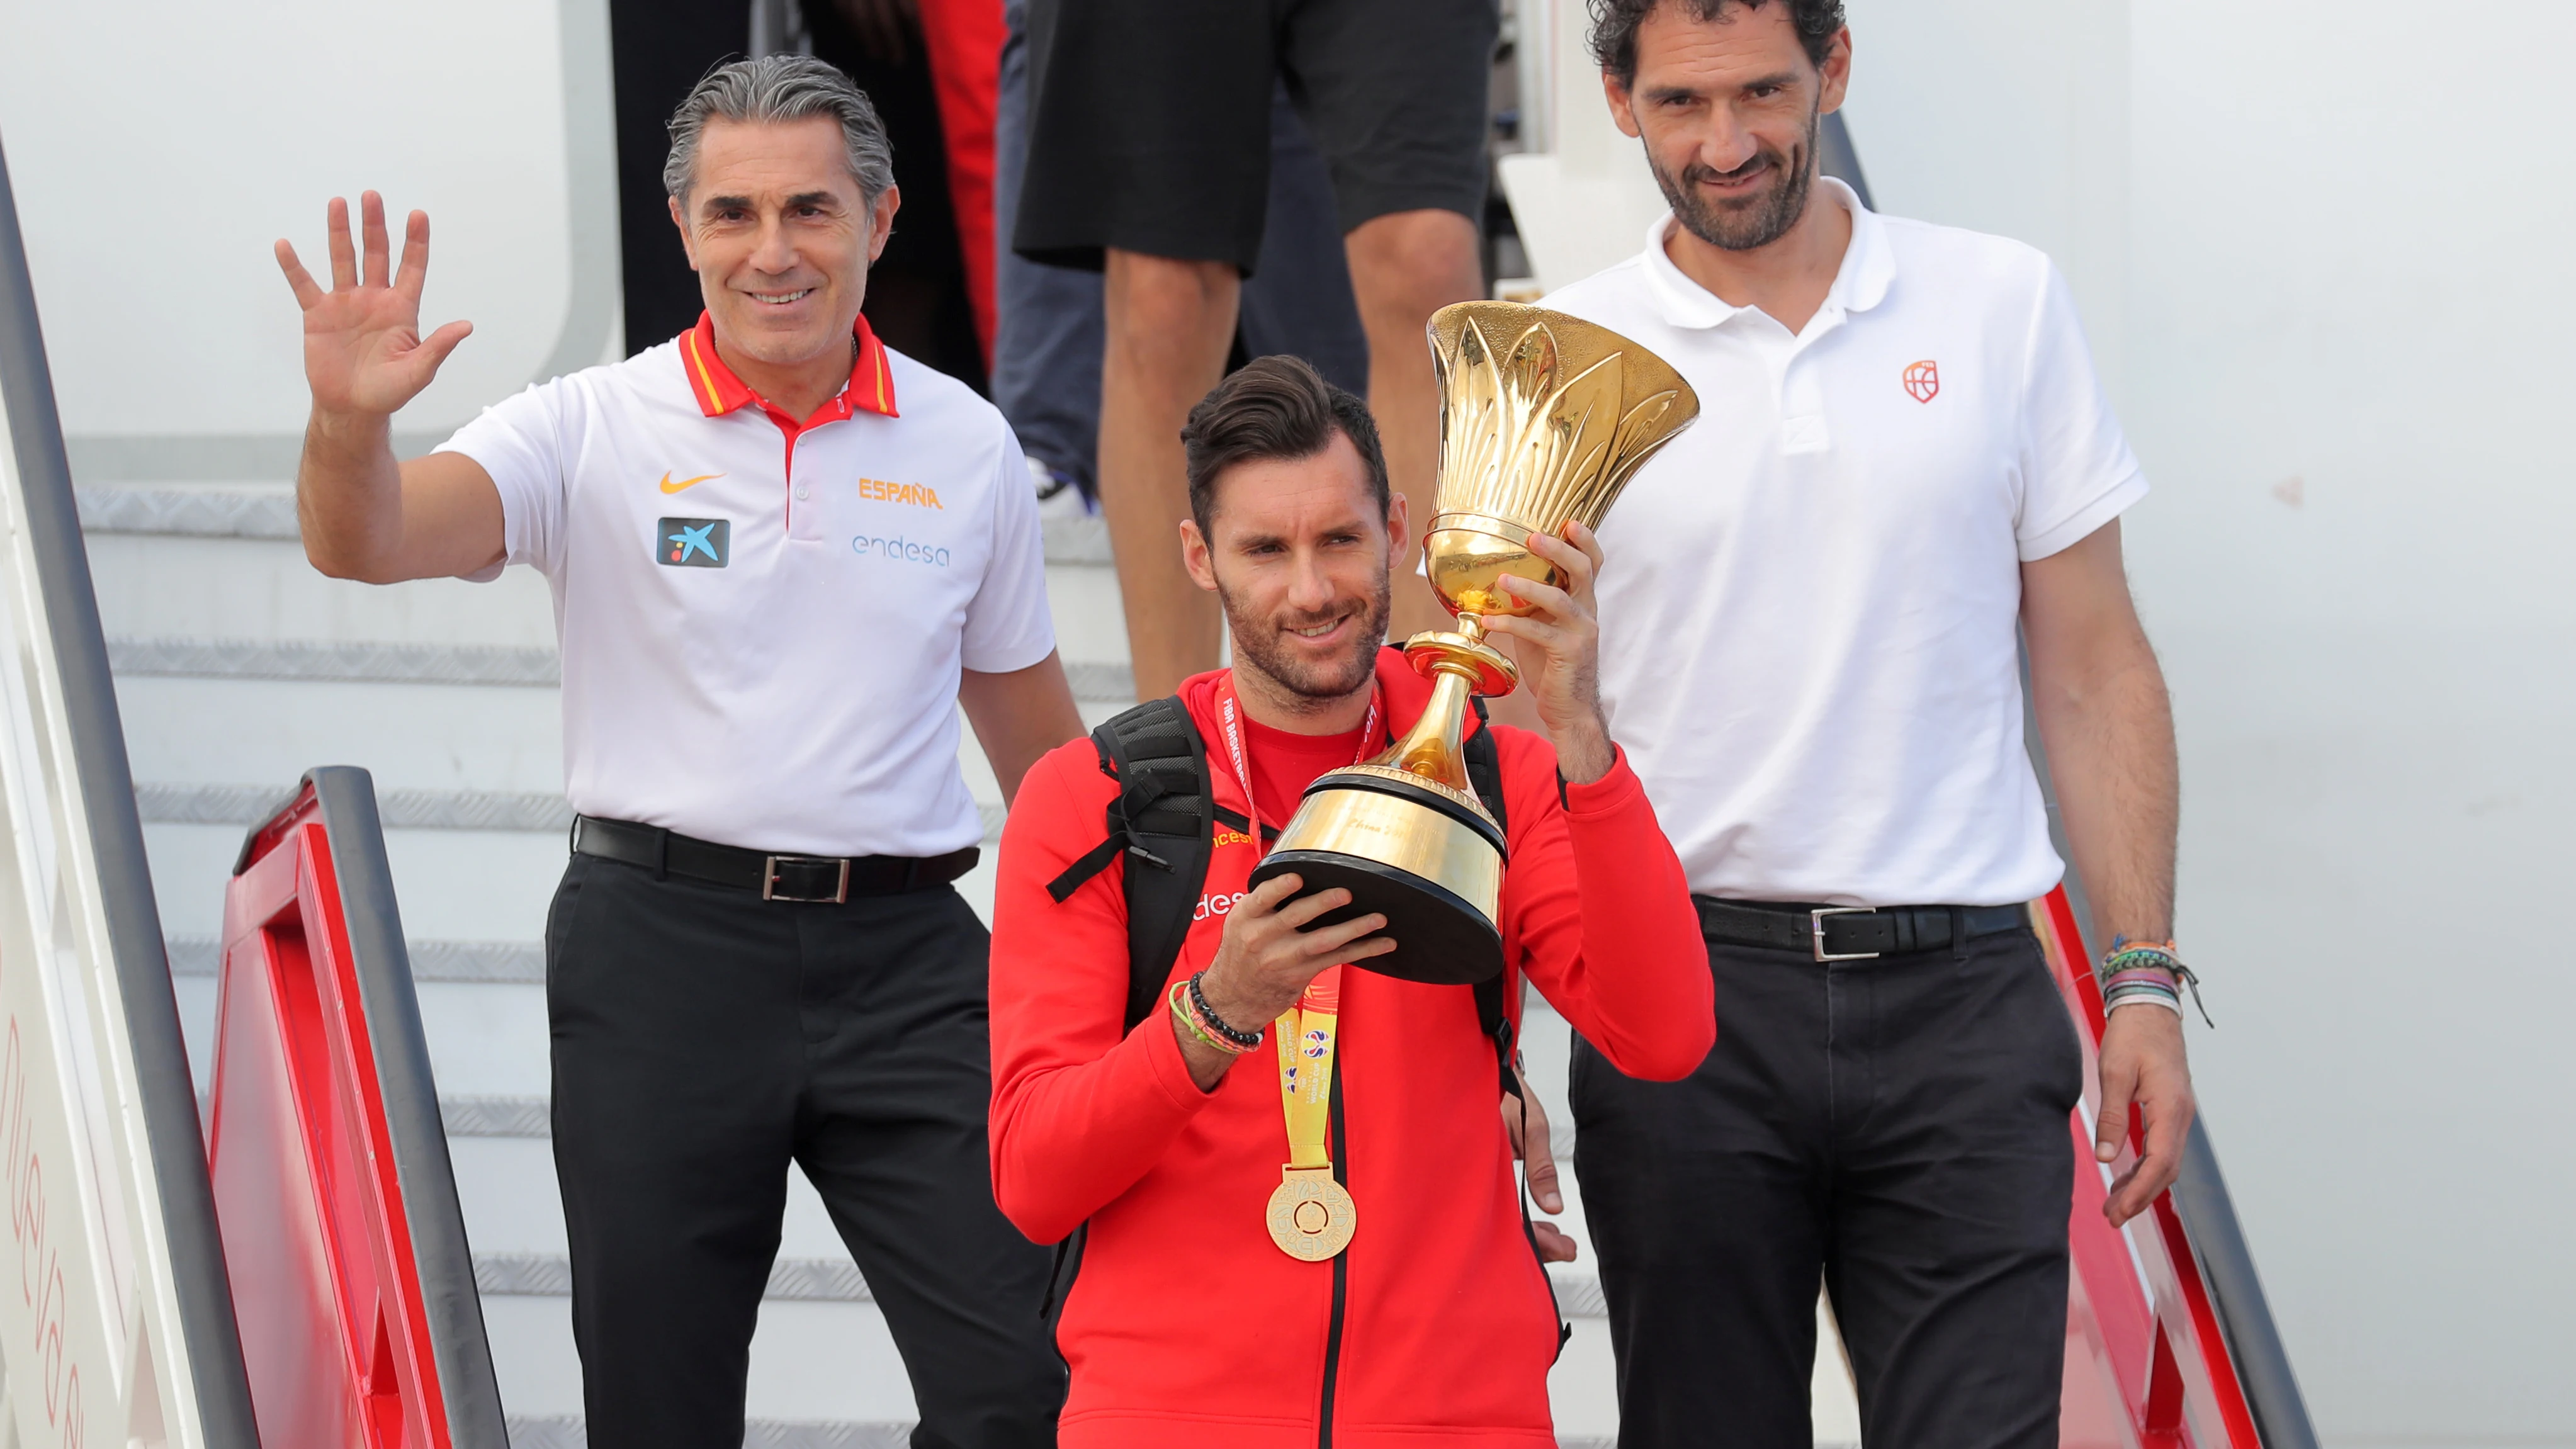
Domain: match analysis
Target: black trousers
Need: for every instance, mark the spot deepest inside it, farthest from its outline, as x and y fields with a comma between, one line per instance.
x=1897, y=1126
x=703, y=1040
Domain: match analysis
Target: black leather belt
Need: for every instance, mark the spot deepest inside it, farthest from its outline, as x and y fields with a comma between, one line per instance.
x=826, y=878
x=1850, y=933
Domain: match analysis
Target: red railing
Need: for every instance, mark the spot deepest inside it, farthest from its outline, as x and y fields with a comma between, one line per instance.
x=323, y=1211
x=2147, y=1364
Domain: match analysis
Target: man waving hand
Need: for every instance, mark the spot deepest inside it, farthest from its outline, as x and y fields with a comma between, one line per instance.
x=781, y=555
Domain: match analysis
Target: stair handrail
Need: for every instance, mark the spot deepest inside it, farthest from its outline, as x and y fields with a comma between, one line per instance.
x=200, y=1395
x=402, y=1251
x=2219, y=1250
x=2236, y=1295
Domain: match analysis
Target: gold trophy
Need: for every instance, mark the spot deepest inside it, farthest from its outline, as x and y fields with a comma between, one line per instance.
x=1543, y=419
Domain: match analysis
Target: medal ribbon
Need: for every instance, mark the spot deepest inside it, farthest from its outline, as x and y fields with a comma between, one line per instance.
x=1308, y=1032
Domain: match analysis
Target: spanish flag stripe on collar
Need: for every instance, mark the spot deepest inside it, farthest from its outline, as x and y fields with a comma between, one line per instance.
x=718, y=391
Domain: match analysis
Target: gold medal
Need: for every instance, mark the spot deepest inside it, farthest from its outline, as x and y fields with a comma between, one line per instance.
x=1311, y=1216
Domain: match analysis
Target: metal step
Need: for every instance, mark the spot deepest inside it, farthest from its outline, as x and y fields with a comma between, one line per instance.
x=399, y=809
x=380, y=663
x=224, y=563
x=480, y=962
x=791, y=1280
x=566, y=1433
x=269, y=513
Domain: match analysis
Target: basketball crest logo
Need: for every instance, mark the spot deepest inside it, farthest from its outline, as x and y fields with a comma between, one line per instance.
x=1923, y=380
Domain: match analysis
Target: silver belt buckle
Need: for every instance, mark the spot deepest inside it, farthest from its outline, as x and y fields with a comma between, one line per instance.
x=769, y=879
x=1816, y=928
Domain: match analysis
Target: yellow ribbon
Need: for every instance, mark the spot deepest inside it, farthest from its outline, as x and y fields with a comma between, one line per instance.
x=1308, y=1034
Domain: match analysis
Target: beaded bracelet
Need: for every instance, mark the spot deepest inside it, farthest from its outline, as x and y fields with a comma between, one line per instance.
x=1189, y=1021
x=1243, y=1040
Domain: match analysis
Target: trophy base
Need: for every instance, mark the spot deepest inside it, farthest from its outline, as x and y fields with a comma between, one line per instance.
x=1440, y=938
x=1425, y=857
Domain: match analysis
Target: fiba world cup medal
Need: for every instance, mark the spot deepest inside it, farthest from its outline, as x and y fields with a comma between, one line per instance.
x=1311, y=1216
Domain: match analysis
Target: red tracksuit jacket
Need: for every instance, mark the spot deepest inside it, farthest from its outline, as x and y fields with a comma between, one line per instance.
x=1187, y=1326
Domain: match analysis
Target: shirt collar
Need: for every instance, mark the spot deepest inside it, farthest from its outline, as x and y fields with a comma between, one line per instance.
x=1859, y=284
x=718, y=391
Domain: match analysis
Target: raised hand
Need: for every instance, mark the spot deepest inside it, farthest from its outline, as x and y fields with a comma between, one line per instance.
x=364, y=356
x=1558, y=647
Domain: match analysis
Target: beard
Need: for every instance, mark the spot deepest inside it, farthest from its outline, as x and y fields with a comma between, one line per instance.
x=1259, y=646
x=1755, y=221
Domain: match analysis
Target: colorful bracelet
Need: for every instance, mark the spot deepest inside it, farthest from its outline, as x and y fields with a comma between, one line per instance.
x=2143, y=996
x=2151, y=973
x=2155, y=976
x=1190, y=1022
x=1243, y=1040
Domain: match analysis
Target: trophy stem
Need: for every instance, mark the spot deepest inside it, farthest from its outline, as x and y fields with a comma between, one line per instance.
x=1431, y=748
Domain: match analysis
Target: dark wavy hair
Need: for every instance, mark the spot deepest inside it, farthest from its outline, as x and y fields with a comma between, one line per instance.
x=1615, y=22
x=1274, y=407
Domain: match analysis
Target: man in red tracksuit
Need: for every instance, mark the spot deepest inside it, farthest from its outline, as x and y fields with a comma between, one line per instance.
x=1187, y=1324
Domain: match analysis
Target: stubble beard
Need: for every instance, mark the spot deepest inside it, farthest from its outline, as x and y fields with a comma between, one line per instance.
x=1757, y=222
x=1304, y=685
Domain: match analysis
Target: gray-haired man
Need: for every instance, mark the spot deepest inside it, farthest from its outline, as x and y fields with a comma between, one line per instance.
x=781, y=556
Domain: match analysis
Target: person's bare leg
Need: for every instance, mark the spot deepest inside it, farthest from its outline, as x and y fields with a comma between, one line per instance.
x=1170, y=325
x=1404, y=267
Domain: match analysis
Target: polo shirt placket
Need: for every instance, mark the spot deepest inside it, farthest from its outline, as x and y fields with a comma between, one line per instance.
x=719, y=391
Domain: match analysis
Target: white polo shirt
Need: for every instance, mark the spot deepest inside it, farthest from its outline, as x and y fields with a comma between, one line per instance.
x=1810, y=600
x=762, y=620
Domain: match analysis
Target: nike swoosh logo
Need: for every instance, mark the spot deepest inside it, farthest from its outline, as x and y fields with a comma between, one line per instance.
x=670, y=487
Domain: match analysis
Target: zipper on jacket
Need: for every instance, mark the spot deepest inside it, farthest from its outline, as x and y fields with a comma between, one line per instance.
x=1341, y=1279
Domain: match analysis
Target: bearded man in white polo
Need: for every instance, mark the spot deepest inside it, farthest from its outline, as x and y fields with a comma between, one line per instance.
x=1903, y=458
x=782, y=556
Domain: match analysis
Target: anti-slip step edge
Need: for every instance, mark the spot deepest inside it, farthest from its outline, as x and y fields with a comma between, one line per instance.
x=838, y=1280
x=269, y=513
x=549, y=1275
x=566, y=1432
x=169, y=804
x=368, y=662
x=515, y=963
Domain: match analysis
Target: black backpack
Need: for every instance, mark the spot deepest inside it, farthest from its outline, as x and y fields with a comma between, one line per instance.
x=1164, y=819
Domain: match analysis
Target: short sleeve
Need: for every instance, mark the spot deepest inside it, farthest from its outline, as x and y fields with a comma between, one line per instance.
x=519, y=441
x=2076, y=468
x=1007, y=624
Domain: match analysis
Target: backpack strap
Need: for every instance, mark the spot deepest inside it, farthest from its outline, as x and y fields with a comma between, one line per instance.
x=1163, y=820
x=1484, y=763
x=1485, y=773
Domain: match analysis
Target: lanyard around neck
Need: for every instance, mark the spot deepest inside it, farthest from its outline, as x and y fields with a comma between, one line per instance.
x=1307, y=1033
x=1230, y=723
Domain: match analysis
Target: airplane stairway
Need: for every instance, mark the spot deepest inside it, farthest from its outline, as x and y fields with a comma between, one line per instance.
x=236, y=669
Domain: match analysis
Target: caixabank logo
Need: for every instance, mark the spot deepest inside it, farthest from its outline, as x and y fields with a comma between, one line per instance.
x=693, y=543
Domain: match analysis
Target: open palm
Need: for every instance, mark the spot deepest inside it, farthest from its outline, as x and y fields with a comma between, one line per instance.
x=363, y=352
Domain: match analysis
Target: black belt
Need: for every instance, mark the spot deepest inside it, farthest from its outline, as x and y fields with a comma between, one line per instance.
x=1850, y=933
x=826, y=878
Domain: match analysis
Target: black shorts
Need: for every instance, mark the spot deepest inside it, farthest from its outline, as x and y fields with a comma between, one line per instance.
x=1150, y=127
